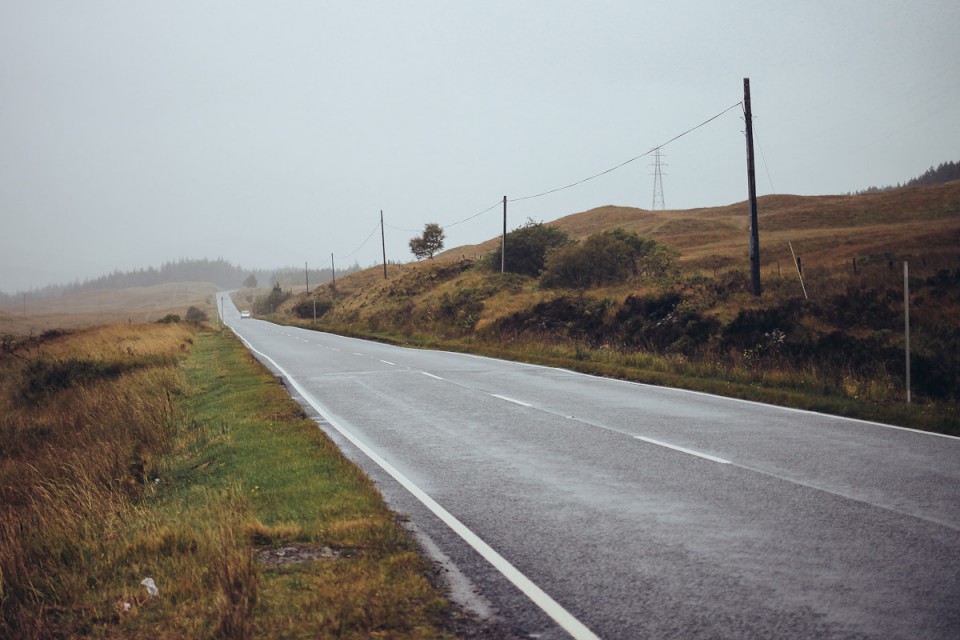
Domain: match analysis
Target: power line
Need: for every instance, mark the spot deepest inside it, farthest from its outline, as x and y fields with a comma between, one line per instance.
x=362, y=244
x=497, y=204
x=626, y=162
x=490, y=208
x=766, y=169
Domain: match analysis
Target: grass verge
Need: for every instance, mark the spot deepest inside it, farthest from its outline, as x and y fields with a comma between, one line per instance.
x=808, y=391
x=243, y=513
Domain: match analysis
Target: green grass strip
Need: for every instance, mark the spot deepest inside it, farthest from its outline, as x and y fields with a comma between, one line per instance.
x=257, y=526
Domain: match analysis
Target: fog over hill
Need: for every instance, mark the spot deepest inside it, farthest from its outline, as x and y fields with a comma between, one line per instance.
x=228, y=276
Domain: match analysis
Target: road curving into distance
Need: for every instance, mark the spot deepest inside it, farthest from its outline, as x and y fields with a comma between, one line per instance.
x=566, y=505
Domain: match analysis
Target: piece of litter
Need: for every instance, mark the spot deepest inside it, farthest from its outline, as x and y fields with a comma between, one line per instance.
x=151, y=586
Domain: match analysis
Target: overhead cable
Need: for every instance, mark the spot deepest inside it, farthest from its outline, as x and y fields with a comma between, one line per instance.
x=626, y=162
x=362, y=244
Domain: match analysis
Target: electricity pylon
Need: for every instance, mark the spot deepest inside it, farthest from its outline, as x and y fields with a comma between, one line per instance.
x=657, y=182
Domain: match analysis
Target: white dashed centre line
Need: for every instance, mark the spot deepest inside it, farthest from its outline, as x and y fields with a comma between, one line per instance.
x=522, y=404
x=699, y=454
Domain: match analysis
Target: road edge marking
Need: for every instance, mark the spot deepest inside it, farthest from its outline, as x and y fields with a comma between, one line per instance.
x=538, y=596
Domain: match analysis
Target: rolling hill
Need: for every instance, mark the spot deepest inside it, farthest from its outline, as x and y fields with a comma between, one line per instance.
x=841, y=333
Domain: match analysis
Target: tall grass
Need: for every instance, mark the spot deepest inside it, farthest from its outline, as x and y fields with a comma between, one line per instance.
x=170, y=454
x=71, y=464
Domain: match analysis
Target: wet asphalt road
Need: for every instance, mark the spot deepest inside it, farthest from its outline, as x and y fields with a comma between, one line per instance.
x=645, y=512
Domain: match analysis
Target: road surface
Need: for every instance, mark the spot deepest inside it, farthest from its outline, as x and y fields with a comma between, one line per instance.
x=567, y=505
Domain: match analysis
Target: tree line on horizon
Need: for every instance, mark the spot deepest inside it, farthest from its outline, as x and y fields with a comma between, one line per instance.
x=219, y=272
x=945, y=172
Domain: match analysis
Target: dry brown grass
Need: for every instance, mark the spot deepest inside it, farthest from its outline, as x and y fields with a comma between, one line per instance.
x=186, y=471
x=826, y=230
x=70, y=464
x=96, y=308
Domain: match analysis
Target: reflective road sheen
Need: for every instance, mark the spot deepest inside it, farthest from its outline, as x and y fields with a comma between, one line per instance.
x=644, y=512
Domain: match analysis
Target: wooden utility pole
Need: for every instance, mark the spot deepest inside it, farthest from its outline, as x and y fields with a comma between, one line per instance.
x=333, y=273
x=906, y=322
x=306, y=276
x=503, y=240
x=383, y=243
x=752, y=190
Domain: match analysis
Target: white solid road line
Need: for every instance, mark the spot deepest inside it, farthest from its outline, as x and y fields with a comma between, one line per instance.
x=699, y=454
x=431, y=375
x=551, y=607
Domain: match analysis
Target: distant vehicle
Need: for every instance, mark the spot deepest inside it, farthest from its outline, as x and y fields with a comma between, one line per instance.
x=244, y=315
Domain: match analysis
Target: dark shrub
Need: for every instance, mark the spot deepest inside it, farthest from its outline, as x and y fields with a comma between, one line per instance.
x=656, y=322
x=195, y=314
x=276, y=297
x=875, y=308
x=608, y=257
x=527, y=249
x=46, y=376
x=754, y=326
x=305, y=308
x=463, y=308
x=577, y=318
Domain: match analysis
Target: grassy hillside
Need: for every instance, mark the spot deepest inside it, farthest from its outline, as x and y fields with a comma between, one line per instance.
x=825, y=230
x=839, y=348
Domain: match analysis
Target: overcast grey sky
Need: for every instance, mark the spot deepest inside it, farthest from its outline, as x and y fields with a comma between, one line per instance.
x=273, y=133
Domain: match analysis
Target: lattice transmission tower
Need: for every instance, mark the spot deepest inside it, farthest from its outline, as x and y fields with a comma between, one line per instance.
x=658, y=203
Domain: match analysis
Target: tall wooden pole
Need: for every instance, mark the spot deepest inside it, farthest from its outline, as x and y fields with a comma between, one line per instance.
x=306, y=276
x=906, y=322
x=383, y=243
x=752, y=190
x=503, y=240
x=333, y=273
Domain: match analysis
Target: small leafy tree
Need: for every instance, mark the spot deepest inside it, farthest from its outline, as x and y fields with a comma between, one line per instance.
x=250, y=282
x=527, y=248
x=426, y=245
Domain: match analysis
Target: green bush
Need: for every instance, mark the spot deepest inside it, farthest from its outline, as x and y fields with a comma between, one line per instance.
x=527, y=249
x=608, y=257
